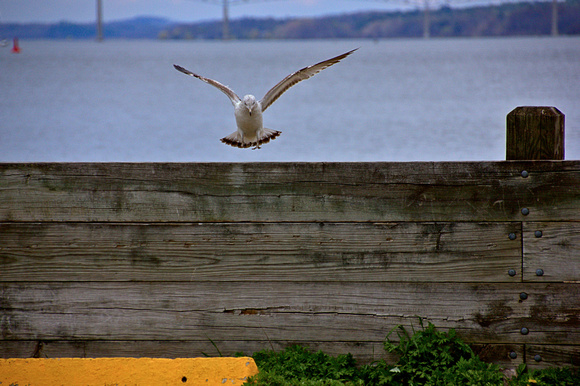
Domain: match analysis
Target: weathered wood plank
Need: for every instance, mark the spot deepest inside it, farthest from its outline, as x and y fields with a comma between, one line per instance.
x=553, y=248
x=273, y=192
x=295, y=312
x=501, y=354
x=364, y=352
x=442, y=252
x=543, y=356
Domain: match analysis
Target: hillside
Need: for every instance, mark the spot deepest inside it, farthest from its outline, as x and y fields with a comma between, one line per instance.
x=502, y=20
x=136, y=28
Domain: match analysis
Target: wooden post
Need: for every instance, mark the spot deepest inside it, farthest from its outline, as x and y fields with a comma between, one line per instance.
x=535, y=133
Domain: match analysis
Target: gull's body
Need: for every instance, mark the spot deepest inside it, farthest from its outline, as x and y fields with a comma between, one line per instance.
x=248, y=111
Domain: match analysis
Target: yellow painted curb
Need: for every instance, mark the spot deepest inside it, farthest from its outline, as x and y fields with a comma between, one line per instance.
x=126, y=371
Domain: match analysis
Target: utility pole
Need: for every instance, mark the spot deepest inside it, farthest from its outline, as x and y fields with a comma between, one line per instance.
x=226, y=20
x=99, y=20
x=426, y=21
x=226, y=13
x=554, y=17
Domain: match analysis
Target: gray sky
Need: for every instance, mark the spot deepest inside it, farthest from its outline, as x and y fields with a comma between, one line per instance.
x=178, y=10
x=194, y=10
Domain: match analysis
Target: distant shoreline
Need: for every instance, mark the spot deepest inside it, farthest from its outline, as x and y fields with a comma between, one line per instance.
x=514, y=19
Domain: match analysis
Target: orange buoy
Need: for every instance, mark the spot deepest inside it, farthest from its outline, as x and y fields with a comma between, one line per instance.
x=15, y=47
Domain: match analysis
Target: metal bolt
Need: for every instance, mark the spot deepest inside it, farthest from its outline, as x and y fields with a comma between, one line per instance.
x=525, y=174
x=539, y=272
x=523, y=296
x=513, y=355
x=538, y=234
x=537, y=358
x=525, y=211
x=512, y=236
x=524, y=331
x=512, y=272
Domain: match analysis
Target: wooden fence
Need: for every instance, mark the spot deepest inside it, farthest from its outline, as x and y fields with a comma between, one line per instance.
x=168, y=260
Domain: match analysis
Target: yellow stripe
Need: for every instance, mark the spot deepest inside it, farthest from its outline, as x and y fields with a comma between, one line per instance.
x=126, y=371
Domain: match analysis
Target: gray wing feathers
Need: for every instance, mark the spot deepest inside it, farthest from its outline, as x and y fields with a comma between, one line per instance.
x=225, y=89
x=300, y=75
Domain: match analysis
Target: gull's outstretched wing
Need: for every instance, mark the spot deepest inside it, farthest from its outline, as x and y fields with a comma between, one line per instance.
x=298, y=76
x=225, y=89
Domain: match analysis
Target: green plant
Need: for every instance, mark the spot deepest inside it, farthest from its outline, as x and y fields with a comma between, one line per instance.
x=432, y=357
x=215, y=346
x=297, y=366
x=425, y=353
x=564, y=376
x=427, y=357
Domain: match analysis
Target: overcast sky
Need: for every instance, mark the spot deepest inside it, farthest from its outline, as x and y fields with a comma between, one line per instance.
x=192, y=10
x=178, y=10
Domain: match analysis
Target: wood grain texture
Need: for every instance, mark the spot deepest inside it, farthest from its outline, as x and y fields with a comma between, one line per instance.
x=364, y=352
x=249, y=311
x=147, y=257
x=552, y=355
x=274, y=192
x=434, y=252
x=535, y=133
x=555, y=250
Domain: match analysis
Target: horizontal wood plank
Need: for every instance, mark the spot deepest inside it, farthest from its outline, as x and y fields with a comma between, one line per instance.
x=364, y=352
x=230, y=311
x=543, y=356
x=434, y=252
x=274, y=192
x=323, y=254
x=553, y=248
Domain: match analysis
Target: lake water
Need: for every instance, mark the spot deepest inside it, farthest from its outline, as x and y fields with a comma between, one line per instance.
x=392, y=100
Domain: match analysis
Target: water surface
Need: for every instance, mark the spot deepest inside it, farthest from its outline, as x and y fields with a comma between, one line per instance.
x=393, y=100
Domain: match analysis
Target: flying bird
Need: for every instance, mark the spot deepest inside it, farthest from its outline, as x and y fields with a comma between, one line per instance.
x=248, y=111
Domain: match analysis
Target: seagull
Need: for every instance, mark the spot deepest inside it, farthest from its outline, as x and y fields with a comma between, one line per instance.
x=248, y=111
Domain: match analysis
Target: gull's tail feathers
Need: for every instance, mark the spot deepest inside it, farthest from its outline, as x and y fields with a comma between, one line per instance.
x=265, y=136
x=268, y=135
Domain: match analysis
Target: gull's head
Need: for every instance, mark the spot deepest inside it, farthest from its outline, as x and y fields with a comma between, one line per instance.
x=249, y=102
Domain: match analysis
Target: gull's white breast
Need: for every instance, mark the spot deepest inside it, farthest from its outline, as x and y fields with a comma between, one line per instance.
x=248, y=124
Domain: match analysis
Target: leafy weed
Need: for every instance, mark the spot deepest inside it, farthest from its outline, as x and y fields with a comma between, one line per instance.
x=428, y=357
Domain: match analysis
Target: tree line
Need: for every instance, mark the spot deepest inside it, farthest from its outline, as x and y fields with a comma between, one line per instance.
x=512, y=19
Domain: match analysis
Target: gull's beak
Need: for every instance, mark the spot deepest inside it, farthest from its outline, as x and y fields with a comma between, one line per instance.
x=250, y=109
